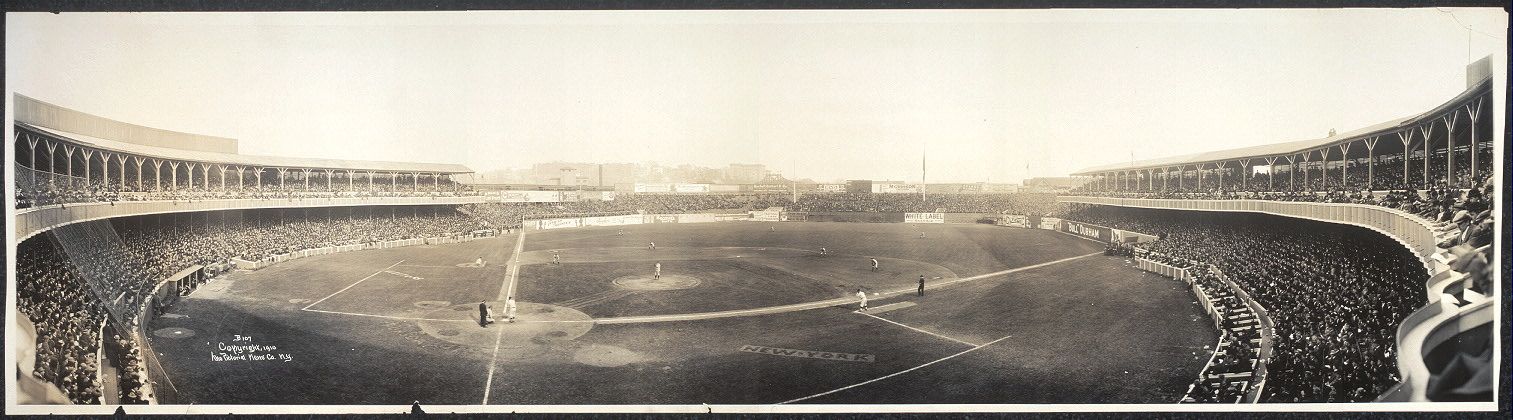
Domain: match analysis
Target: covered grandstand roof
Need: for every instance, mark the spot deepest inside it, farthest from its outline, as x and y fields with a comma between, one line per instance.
x=247, y=160
x=1298, y=146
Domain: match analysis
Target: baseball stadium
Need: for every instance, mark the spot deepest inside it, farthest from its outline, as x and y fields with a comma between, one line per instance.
x=162, y=268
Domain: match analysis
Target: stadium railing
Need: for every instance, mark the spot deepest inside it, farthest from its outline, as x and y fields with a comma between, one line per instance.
x=1410, y=230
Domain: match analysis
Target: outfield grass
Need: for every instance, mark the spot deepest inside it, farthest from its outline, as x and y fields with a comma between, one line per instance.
x=398, y=325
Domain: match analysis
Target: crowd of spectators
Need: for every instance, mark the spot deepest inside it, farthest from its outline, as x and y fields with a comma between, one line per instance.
x=1336, y=293
x=1004, y=203
x=510, y=215
x=67, y=317
x=71, y=278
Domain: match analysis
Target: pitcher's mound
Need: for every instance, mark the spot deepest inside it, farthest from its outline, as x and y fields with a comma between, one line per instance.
x=667, y=282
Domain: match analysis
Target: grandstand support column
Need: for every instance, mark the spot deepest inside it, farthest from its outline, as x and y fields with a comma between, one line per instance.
x=1407, y=137
x=88, y=155
x=223, y=175
x=121, y=163
x=1450, y=145
x=139, y=160
x=394, y=180
x=1150, y=177
x=330, y=178
x=1181, y=173
x=68, y=154
x=105, y=167
x=1292, y=173
x=52, y=160
x=1165, y=175
x=157, y=174
x=1222, y=166
x=1307, y=156
x=1370, y=162
x=1244, y=176
x=257, y=177
x=205, y=170
x=31, y=152
x=1344, y=153
x=173, y=174
x=416, y=182
x=370, y=180
x=1199, y=169
x=1324, y=166
x=189, y=167
x=281, y=173
x=1426, y=130
x=1470, y=112
x=1271, y=171
x=306, y=173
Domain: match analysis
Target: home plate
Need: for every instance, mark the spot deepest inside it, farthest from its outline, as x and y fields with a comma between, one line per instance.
x=889, y=307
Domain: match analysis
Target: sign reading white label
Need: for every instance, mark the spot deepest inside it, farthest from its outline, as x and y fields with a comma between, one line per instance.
x=924, y=217
x=845, y=357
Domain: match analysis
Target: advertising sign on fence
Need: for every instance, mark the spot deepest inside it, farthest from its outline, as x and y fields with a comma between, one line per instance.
x=632, y=219
x=691, y=188
x=1089, y=231
x=1015, y=220
x=924, y=217
x=1050, y=223
x=530, y=196
x=561, y=223
x=653, y=188
x=771, y=214
x=696, y=218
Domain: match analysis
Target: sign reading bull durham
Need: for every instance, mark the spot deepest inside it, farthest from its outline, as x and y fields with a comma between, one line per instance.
x=826, y=355
x=1095, y=232
x=924, y=217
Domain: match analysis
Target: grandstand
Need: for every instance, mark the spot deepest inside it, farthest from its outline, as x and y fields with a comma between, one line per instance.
x=169, y=272
x=1347, y=296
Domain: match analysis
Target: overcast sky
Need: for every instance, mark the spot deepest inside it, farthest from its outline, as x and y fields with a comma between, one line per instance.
x=830, y=95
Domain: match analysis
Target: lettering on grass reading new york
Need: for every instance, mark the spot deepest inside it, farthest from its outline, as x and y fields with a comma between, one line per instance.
x=826, y=355
x=243, y=349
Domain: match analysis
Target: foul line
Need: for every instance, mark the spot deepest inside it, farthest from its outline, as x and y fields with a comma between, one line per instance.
x=816, y=304
x=307, y=307
x=974, y=348
x=508, y=290
x=912, y=328
x=400, y=318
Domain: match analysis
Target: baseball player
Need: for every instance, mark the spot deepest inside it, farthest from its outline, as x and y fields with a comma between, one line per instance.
x=509, y=309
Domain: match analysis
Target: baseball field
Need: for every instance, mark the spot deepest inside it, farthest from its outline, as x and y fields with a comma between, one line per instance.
x=741, y=313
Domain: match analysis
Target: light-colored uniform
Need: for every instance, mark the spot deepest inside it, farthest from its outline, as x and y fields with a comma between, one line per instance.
x=509, y=309
x=658, y=272
x=863, y=296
